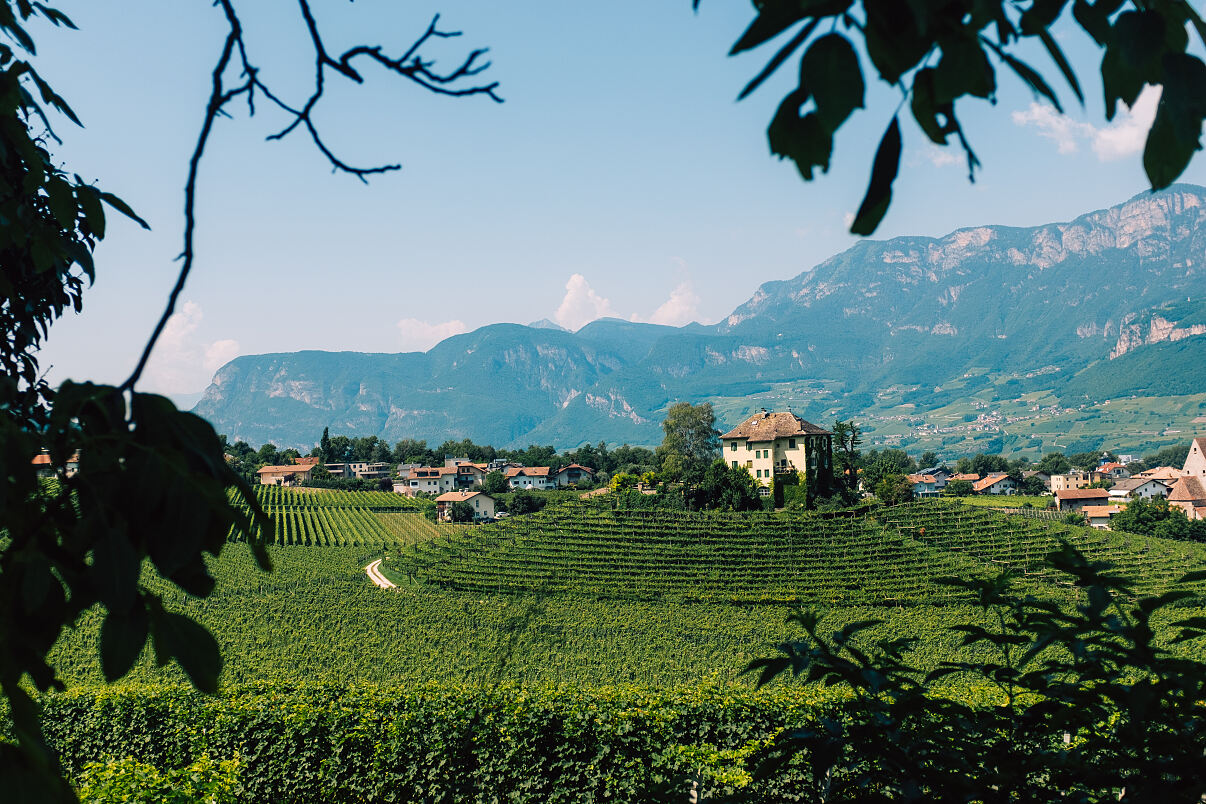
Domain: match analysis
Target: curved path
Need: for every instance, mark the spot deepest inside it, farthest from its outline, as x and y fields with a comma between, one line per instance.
x=374, y=572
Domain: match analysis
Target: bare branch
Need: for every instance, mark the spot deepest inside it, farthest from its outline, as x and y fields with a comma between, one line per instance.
x=410, y=65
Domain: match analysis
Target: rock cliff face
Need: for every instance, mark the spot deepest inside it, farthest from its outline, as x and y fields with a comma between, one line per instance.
x=1044, y=302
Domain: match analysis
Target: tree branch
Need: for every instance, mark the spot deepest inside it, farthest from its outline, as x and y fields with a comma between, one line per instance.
x=409, y=65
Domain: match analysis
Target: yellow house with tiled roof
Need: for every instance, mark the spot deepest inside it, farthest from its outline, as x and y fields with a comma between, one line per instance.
x=767, y=444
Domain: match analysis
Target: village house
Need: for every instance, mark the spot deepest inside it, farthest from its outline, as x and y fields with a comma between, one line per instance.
x=1071, y=480
x=1138, y=488
x=767, y=444
x=1195, y=461
x=970, y=477
x=1078, y=499
x=483, y=504
x=529, y=477
x=996, y=483
x=941, y=476
x=1098, y=516
x=924, y=485
x=574, y=475
x=1165, y=474
x=428, y=480
x=290, y=475
x=1114, y=471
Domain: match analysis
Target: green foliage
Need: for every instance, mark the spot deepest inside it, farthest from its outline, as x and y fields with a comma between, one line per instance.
x=691, y=441
x=622, y=481
x=424, y=742
x=1156, y=517
x=940, y=55
x=725, y=488
x=894, y=489
x=958, y=488
x=523, y=501
x=127, y=781
x=461, y=512
x=494, y=483
x=1054, y=463
x=1092, y=706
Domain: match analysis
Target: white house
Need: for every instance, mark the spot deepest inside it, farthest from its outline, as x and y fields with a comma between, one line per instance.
x=924, y=485
x=573, y=475
x=483, y=505
x=1139, y=488
x=769, y=443
x=537, y=478
x=996, y=483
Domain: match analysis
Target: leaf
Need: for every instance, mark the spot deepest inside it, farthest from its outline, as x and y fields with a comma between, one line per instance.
x=778, y=59
x=830, y=69
x=1041, y=15
x=802, y=139
x=89, y=201
x=189, y=643
x=879, y=190
x=122, y=638
x=1176, y=132
x=1032, y=79
x=1094, y=18
x=1061, y=61
x=114, y=570
x=963, y=70
x=123, y=208
x=893, y=42
x=926, y=109
x=1132, y=57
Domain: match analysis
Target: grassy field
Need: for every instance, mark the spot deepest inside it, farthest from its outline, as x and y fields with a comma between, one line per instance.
x=588, y=598
x=1007, y=501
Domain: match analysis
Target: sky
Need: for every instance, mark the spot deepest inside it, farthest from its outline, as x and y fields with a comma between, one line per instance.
x=620, y=177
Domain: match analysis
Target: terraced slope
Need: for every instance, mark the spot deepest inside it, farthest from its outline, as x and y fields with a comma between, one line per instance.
x=328, y=518
x=895, y=558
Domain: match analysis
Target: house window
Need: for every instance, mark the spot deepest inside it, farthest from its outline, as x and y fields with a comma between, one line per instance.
x=733, y=446
x=749, y=464
x=748, y=446
x=791, y=443
x=734, y=464
x=758, y=473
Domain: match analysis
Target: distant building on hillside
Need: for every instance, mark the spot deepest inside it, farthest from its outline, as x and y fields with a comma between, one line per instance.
x=995, y=483
x=574, y=475
x=483, y=504
x=537, y=478
x=1078, y=499
x=1136, y=488
x=290, y=475
x=767, y=444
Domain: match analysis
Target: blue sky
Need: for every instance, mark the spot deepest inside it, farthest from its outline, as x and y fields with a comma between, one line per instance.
x=620, y=177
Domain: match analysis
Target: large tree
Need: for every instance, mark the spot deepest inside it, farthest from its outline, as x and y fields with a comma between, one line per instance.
x=691, y=441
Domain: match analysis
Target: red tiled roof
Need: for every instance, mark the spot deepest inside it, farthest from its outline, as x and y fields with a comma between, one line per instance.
x=927, y=479
x=966, y=476
x=1100, y=510
x=1082, y=494
x=992, y=479
x=577, y=466
x=460, y=496
x=312, y=461
x=1187, y=489
x=763, y=426
x=528, y=471
x=41, y=460
x=283, y=470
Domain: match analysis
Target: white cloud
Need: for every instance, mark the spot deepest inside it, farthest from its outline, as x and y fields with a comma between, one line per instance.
x=941, y=157
x=681, y=308
x=219, y=353
x=581, y=304
x=1124, y=136
x=1127, y=133
x=419, y=336
x=182, y=364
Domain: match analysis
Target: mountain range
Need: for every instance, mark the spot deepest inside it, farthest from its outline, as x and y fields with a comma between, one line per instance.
x=1109, y=305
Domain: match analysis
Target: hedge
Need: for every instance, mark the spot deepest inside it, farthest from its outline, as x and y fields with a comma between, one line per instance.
x=435, y=743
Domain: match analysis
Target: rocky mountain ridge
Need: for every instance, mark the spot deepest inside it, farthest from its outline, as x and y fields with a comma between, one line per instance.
x=1053, y=305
